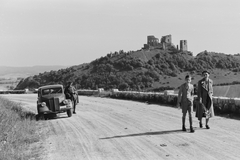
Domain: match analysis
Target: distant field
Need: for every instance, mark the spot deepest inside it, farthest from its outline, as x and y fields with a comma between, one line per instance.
x=10, y=83
x=7, y=86
x=231, y=91
x=3, y=87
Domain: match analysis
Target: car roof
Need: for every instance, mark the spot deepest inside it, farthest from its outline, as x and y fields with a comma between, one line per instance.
x=51, y=86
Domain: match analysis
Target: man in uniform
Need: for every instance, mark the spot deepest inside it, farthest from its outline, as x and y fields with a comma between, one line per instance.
x=71, y=93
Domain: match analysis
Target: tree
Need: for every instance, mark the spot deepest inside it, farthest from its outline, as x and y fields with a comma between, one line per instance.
x=123, y=86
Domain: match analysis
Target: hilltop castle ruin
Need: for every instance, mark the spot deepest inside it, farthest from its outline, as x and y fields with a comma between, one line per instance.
x=165, y=43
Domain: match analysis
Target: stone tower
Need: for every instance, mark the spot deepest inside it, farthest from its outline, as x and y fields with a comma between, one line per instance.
x=152, y=41
x=183, y=45
x=166, y=39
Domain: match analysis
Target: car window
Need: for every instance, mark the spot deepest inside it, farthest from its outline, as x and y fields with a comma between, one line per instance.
x=51, y=91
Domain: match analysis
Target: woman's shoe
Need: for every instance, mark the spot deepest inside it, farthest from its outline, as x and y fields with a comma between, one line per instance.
x=200, y=124
x=183, y=128
x=207, y=127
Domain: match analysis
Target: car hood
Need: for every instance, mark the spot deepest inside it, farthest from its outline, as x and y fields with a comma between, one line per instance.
x=47, y=97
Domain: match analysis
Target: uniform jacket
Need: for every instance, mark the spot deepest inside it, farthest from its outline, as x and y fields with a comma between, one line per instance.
x=185, y=96
x=71, y=93
x=185, y=93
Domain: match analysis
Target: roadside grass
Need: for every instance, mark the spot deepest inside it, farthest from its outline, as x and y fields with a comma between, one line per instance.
x=18, y=130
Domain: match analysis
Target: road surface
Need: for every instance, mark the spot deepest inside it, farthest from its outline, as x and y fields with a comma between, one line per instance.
x=110, y=129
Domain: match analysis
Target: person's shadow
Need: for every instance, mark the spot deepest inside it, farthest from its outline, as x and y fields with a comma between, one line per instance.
x=147, y=133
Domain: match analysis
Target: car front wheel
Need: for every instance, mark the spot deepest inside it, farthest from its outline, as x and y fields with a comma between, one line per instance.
x=70, y=112
x=40, y=116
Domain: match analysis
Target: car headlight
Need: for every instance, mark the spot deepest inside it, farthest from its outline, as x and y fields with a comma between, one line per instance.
x=43, y=104
x=65, y=102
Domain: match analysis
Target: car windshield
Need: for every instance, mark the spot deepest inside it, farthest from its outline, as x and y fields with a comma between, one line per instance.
x=51, y=90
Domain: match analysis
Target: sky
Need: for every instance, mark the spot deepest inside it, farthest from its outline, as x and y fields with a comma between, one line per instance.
x=72, y=32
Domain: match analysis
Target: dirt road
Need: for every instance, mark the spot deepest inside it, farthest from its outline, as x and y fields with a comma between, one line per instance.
x=109, y=129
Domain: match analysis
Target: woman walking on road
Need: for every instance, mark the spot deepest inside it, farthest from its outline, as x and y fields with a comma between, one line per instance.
x=205, y=103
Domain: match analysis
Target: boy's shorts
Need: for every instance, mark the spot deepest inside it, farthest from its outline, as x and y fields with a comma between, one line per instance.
x=187, y=106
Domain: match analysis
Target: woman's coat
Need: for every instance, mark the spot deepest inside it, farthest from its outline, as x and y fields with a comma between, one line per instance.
x=205, y=91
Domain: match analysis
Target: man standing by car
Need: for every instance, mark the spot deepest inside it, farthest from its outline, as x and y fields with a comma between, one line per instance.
x=71, y=93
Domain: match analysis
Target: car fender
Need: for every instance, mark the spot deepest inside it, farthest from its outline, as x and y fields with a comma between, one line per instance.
x=42, y=108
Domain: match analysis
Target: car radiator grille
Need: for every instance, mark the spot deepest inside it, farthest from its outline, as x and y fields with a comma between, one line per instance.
x=54, y=104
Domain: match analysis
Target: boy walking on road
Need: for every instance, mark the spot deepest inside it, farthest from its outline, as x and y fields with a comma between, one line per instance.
x=185, y=101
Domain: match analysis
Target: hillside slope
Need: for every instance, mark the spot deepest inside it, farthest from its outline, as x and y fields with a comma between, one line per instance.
x=141, y=70
x=231, y=91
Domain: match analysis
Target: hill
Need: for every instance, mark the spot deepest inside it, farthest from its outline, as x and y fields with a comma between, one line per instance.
x=154, y=69
x=13, y=72
x=11, y=76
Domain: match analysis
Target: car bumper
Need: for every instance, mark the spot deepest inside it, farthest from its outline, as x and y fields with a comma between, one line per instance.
x=46, y=110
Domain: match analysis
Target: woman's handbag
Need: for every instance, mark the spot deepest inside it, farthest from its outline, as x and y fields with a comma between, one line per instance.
x=206, y=112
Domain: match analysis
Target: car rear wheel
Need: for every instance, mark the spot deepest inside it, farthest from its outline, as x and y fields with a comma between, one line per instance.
x=70, y=112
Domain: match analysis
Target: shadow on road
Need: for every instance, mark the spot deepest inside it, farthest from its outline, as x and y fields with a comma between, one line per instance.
x=52, y=116
x=146, y=133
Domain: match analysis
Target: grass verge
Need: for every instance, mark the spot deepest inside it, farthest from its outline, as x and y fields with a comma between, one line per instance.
x=18, y=131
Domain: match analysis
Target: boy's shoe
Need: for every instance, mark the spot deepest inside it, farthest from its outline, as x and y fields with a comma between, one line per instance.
x=207, y=127
x=200, y=124
x=183, y=128
x=191, y=129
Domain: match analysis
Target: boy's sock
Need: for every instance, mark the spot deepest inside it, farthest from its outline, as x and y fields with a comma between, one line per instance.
x=191, y=129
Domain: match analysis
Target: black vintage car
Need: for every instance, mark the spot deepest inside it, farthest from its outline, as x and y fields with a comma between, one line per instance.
x=52, y=100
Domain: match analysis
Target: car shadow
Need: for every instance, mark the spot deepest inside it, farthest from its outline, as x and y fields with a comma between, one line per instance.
x=52, y=116
x=147, y=134
x=56, y=117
